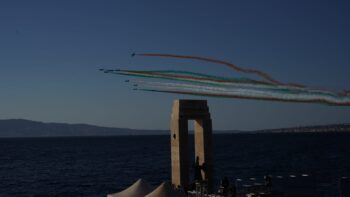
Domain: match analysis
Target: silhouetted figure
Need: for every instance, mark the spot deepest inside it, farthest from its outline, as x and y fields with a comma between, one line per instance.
x=198, y=171
x=225, y=183
x=232, y=190
x=268, y=182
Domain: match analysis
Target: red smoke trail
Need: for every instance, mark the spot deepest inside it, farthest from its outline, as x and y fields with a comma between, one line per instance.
x=233, y=66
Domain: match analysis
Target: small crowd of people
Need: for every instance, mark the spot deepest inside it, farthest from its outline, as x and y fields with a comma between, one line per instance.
x=229, y=190
x=226, y=188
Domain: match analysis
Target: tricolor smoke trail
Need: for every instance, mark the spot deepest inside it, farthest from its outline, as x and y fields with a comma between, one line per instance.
x=213, y=80
x=233, y=66
x=192, y=83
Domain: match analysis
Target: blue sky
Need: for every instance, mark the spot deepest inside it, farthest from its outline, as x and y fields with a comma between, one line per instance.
x=50, y=52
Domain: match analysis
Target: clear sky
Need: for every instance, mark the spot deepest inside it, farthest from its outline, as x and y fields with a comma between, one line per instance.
x=50, y=52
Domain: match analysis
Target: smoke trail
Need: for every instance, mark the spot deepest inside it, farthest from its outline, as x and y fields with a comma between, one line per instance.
x=213, y=80
x=207, y=85
x=192, y=78
x=210, y=94
x=236, y=87
x=233, y=66
x=257, y=95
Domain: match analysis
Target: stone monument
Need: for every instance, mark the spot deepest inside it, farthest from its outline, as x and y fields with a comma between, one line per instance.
x=197, y=110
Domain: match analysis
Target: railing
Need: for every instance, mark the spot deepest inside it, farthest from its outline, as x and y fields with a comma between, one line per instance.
x=197, y=194
x=201, y=190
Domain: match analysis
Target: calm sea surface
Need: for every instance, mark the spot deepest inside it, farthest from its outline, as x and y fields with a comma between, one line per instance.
x=96, y=166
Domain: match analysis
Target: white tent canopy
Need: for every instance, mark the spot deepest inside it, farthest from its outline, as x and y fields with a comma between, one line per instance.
x=165, y=190
x=139, y=189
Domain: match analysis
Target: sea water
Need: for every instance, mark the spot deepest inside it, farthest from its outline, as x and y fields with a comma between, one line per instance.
x=97, y=166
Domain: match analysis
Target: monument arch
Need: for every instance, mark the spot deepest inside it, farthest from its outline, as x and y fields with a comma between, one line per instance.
x=182, y=111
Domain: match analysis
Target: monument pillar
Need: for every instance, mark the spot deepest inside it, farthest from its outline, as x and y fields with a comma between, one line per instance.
x=184, y=110
x=179, y=151
x=203, y=146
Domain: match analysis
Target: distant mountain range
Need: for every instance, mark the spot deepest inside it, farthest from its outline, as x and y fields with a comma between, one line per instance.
x=28, y=128
x=317, y=128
